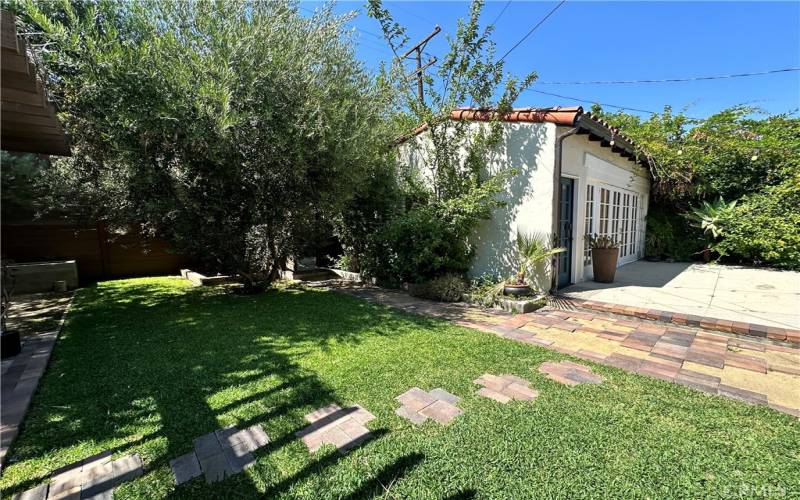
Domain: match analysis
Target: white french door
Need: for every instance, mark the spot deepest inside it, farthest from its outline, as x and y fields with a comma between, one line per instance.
x=614, y=212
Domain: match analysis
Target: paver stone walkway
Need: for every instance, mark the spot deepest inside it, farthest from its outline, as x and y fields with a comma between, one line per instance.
x=756, y=371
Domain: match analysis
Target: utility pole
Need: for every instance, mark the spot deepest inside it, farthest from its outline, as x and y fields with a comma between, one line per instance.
x=417, y=49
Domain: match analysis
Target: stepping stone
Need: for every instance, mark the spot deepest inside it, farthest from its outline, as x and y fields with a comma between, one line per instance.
x=215, y=467
x=37, y=493
x=342, y=428
x=443, y=395
x=441, y=411
x=569, y=373
x=238, y=457
x=218, y=454
x=505, y=388
x=497, y=396
x=418, y=405
x=185, y=468
x=415, y=399
x=207, y=445
x=414, y=416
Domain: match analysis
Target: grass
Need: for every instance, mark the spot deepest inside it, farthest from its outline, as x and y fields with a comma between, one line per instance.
x=147, y=365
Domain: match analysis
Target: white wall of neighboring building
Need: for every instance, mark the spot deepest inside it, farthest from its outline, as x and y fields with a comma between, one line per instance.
x=530, y=148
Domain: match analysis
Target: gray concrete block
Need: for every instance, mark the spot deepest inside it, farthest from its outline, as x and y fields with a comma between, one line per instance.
x=215, y=467
x=207, y=445
x=37, y=493
x=185, y=467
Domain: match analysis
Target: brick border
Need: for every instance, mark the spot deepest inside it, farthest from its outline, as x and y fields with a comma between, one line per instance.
x=29, y=367
x=778, y=334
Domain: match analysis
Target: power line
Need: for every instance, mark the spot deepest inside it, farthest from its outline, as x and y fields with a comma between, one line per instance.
x=545, y=18
x=354, y=27
x=669, y=80
x=587, y=101
x=501, y=13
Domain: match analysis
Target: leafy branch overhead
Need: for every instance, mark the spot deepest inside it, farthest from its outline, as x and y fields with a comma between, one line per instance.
x=231, y=128
x=447, y=173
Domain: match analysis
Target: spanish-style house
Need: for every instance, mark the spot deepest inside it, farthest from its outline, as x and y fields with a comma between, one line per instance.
x=577, y=176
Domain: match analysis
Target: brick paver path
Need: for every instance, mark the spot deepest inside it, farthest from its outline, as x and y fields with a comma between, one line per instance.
x=438, y=404
x=569, y=373
x=91, y=478
x=21, y=373
x=758, y=372
x=219, y=454
x=341, y=427
x=505, y=388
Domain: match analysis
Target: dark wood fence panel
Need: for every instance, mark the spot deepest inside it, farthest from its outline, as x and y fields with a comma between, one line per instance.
x=98, y=255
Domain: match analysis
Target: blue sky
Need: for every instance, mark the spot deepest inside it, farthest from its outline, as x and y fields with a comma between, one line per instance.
x=587, y=40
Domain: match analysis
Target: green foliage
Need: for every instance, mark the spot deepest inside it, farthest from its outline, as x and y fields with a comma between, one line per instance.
x=21, y=174
x=728, y=154
x=601, y=241
x=732, y=154
x=418, y=245
x=484, y=290
x=708, y=216
x=765, y=227
x=445, y=288
x=532, y=250
x=669, y=237
x=231, y=128
x=446, y=187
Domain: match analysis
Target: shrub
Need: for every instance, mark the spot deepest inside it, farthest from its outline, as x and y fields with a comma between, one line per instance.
x=419, y=245
x=765, y=227
x=447, y=288
x=669, y=236
x=484, y=290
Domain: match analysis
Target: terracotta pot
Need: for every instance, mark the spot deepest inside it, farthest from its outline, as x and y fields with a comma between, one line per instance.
x=604, y=264
x=516, y=290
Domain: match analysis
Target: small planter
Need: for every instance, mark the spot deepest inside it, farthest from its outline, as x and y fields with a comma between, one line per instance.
x=10, y=344
x=516, y=290
x=604, y=264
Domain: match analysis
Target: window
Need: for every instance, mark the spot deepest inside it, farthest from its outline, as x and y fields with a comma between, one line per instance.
x=614, y=212
x=633, y=250
x=605, y=197
x=588, y=224
x=615, y=219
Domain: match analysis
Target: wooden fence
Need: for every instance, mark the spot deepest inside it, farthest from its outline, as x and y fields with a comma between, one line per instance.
x=99, y=256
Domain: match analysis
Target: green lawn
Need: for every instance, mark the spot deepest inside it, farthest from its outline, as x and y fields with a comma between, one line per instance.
x=147, y=365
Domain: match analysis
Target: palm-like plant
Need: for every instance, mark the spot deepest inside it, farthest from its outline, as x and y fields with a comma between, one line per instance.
x=708, y=216
x=532, y=249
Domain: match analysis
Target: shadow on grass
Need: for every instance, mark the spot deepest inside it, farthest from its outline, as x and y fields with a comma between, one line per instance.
x=382, y=483
x=144, y=361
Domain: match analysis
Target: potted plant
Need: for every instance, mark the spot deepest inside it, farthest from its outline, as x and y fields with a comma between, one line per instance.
x=532, y=250
x=10, y=343
x=708, y=218
x=605, y=252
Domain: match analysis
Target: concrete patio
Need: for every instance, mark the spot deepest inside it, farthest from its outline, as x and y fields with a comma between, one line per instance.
x=760, y=296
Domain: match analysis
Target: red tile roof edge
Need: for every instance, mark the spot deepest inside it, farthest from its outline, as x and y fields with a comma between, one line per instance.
x=563, y=116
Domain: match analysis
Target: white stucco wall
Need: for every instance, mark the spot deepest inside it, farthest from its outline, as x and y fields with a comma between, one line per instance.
x=530, y=147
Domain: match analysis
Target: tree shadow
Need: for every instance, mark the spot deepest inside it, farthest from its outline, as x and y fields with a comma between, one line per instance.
x=385, y=479
x=138, y=355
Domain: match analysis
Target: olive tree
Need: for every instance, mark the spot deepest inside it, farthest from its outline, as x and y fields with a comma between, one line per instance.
x=230, y=128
